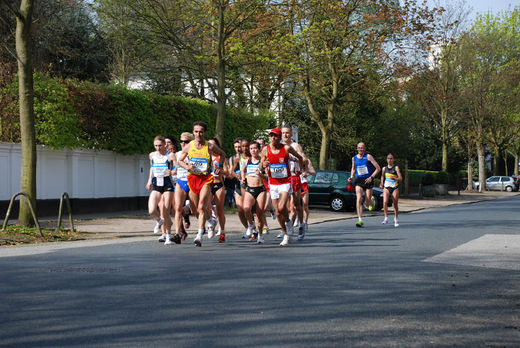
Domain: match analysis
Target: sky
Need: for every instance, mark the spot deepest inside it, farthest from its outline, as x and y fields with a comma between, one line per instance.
x=483, y=6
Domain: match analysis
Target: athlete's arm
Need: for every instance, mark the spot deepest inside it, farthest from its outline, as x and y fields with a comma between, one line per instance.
x=399, y=176
x=376, y=165
x=297, y=155
x=182, y=157
x=217, y=150
x=149, y=182
x=382, y=178
x=353, y=170
x=263, y=161
x=173, y=162
x=309, y=168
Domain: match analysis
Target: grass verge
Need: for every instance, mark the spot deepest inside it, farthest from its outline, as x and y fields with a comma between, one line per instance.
x=18, y=234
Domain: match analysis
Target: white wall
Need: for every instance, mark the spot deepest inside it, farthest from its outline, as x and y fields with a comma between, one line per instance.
x=80, y=173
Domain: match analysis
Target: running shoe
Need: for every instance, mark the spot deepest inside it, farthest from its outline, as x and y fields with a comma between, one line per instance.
x=249, y=231
x=176, y=238
x=301, y=233
x=187, y=222
x=253, y=237
x=260, y=239
x=280, y=235
x=222, y=237
x=184, y=235
x=289, y=227
x=157, y=228
x=371, y=206
x=359, y=223
x=384, y=222
x=396, y=223
x=168, y=240
x=266, y=230
x=162, y=238
x=198, y=240
x=285, y=241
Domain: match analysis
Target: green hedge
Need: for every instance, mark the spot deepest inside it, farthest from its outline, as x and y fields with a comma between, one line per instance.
x=71, y=114
x=428, y=177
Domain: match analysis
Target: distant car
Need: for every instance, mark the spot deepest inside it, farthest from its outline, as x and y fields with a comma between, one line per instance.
x=499, y=183
x=330, y=187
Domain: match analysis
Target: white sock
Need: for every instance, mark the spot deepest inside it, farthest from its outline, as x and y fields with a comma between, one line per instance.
x=200, y=233
x=386, y=218
x=396, y=220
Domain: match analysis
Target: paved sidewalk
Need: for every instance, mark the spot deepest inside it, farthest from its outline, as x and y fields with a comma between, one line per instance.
x=138, y=224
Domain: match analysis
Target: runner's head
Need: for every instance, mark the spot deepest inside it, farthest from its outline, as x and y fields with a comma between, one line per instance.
x=212, y=142
x=237, y=144
x=390, y=159
x=199, y=130
x=275, y=136
x=287, y=134
x=171, y=144
x=361, y=148
x=186, y=137
x=254, y=149
x=159, y=144
x=261, y=142
x=245, y=147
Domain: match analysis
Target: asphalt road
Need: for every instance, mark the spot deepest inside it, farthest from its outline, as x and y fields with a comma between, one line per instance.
x=446, y=277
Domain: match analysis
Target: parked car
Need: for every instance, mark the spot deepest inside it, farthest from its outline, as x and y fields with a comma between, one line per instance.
x=329, y=187
x=499, y=183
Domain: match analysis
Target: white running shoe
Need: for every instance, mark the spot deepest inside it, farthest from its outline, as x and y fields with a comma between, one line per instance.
x=249, y=231
x=280, y=235
x=396, y=223
x=168, y=240
x=162, y=238
x=157, y=228
x=285, y=241
x=211, y=233
x=260, y=239
x=384, y=222
x=198, y=240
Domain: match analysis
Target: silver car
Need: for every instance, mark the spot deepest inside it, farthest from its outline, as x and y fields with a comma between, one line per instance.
x=500, y=183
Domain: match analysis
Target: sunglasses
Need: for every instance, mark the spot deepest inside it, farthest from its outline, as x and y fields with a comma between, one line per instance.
x=185, y=141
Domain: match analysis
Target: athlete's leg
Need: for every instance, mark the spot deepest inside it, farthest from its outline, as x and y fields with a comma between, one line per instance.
x=282, y=213
x=386, y=196
x=180, y=198
x=153, y=201
x=368, y=197
x=240, y=207
x=359, y=201
x=220, y=200
x=248, y=203
x=167, y=203
x=204, y=204
x=305, y=203
x=260, y=204
x=395, y=200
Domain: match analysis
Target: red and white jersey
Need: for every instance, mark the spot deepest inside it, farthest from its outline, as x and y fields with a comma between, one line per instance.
x=294, y=165
x=279, y=172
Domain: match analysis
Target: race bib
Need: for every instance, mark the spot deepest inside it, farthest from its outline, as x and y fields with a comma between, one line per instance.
x=159, y=181
x=159, y=169
x=278, y=171
x=251, y=170
x=390, y=182
x=362, y=170
x=215, y=166
x=200, y=165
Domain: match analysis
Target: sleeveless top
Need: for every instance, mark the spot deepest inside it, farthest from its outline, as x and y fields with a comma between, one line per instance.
x=293, y=161
x=182, y=173
x=251, y=168
x=391, y=177
x=200, y=158
x=160, y=164
x=363, y=168
x=278, y=166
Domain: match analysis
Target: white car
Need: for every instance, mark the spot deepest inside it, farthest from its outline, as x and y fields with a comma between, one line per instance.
x=498, y=183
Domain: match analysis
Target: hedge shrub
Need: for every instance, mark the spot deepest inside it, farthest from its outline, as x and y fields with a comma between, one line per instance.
x=71, y=113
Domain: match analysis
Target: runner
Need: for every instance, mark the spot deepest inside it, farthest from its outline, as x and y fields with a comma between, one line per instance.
x=255, y=193
x=181, y=188
x=159, y=181
x=239, y=167
x=296, y=197
x=275, y=156
x=234, y=164
x=218, y=192
x=199, y=176
x=364, y=179
x=307, y=169
x=170, y=147
x=390, y=179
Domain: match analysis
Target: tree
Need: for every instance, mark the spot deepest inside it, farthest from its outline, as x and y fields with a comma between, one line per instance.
x=23, y=16
x=332, y=47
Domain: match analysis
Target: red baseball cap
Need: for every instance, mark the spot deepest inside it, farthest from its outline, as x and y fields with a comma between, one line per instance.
x=276, y=131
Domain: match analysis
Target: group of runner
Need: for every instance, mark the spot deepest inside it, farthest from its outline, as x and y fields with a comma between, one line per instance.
x=192, y=181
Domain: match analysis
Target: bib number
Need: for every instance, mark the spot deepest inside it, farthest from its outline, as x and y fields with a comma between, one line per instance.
x=278, y=171
x=200, y=165
x=251, y=170
x=362, y=170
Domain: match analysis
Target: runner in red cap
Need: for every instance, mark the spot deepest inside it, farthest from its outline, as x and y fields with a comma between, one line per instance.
x=275, y=157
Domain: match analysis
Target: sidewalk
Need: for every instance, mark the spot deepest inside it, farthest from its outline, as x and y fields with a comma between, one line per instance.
x=138, y=224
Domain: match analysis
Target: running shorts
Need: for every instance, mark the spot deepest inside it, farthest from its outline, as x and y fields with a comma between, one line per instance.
x=361, y=182
x=305, y=188
x=296, y=183
x=196, y=182
x=216, y=186
x=183, y=185
x=255, y=191
x=275, y=190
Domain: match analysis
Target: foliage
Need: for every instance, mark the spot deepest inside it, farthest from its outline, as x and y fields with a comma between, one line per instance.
x=17, y=234
x=428, y=179
x=73, y=113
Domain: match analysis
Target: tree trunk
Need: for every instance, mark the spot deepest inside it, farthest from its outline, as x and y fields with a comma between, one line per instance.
x=481, y=167
x=221, y=78
x=470, y=175
x=444, y=140
x=505, y=163
x=26, y=96
x=496, y=157
x=516, y=164
x=324, y=149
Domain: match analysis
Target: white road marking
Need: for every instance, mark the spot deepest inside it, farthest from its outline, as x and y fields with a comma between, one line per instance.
x=500, y=251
